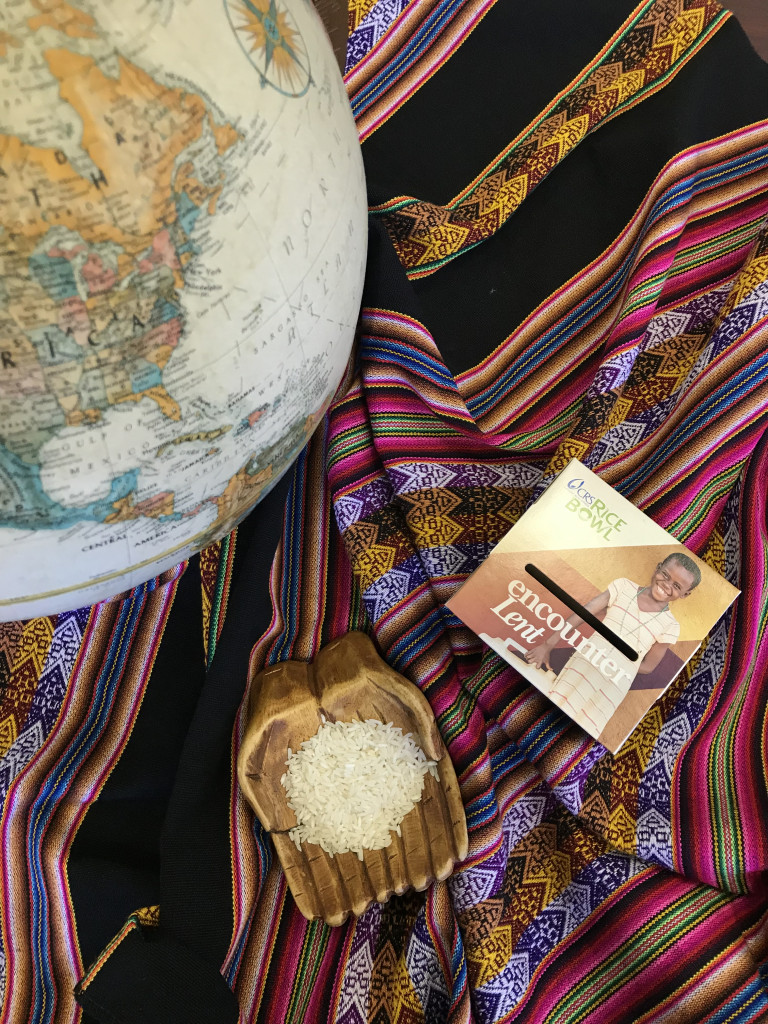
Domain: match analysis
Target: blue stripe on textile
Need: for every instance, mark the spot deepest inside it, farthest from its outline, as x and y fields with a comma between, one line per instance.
x=749, y=1005
x=482, y=809
x=505, y=760
x=418, y=44
x=233, y=969
x=292, y=547
x=546, y=731
x=385, y=350
x=458, y=968
x=55, y=788
x=407, y=649
x=263, y=849
x=708, y=178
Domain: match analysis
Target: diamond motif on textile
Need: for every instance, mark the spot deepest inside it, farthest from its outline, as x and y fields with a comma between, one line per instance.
x=7, y=734
x=571, y=795
x=705, y=309
x=359, y=44
x=476, y=884
x=473, y=885
x=665, y=326
x=19, y=755
x=433, y=530
x=700, y=363
x=654, y=838
x=355, y=989
x=424, y=968
x=348, y=510
x=605, y=74
x=417, y=476
x=442, y=561
x=478, y=923
x=386, y=592
x=612, y=871
x=570, y=792
x=578, y=901
x=760, y=299
x=654, y=789
x=52, y=685
x=732, y=548
x=525, y=815
x=372, y=27
x=373, y=564
x=473, y=475
x=612, y=374
x=518, y=474
x=437, y=1003
x=621, y=438
x=430, y=502
x=574, y=904
x=353, y=1001
x=553, y=924
x=674, y=734
x=376, y=494
x=501, y=993
x=734, y=326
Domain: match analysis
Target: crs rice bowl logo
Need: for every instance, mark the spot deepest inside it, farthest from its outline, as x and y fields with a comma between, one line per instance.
x=593, y=510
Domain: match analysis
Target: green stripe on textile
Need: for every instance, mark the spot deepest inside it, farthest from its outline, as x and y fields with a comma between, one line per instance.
x=555, y=429
x=649, y=289
x=722, y=792
x=312, y=953
x=687, y=522
x=416, y=425
x=455, y=719
x=637, y=954
x=727, y=835
x=219, y=603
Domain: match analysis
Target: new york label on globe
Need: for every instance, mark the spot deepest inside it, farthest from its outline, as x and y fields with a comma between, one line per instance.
x=182, y=244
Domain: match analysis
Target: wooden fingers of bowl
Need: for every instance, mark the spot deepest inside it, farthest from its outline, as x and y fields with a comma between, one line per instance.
x=348, y=681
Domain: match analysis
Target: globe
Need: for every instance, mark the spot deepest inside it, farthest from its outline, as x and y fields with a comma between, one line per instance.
x=182, y=245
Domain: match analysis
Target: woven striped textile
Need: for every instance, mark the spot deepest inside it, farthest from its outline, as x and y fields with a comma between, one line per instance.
x=598, y=888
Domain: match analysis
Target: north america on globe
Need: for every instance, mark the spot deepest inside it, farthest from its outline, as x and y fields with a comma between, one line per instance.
x=181, y=252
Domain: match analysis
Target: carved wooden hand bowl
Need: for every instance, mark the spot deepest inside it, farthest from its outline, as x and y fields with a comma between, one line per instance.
x=348, y=680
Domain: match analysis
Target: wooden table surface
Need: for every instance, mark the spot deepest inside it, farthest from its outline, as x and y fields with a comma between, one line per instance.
x=753, y=15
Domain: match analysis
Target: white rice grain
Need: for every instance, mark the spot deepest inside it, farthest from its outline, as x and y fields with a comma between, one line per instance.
x=352, y=783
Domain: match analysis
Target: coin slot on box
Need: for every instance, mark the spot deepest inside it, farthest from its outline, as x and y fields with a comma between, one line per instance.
x=587, y=616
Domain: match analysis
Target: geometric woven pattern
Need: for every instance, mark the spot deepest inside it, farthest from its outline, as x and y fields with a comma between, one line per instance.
x=598, y=888
x=654, y=44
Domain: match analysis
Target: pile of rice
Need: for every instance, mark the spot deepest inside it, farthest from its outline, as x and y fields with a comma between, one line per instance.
x=352, y=783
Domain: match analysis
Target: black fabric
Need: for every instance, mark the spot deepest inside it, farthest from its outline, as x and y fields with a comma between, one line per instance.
x=474, y=302
x=184, y=828
x=500, y=78
x=114, y=864
x=153, y=977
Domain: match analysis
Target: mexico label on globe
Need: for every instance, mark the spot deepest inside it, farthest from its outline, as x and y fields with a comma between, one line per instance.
x=182, y=246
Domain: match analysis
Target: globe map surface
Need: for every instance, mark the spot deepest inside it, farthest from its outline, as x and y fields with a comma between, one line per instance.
x=182, y=243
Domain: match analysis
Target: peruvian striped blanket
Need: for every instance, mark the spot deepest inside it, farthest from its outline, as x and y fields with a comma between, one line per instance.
x=568, y=258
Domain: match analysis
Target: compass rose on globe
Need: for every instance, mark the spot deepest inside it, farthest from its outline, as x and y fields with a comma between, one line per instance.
x=271, y=41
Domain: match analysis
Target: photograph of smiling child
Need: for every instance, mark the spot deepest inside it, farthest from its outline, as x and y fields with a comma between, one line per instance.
x=640, y=615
